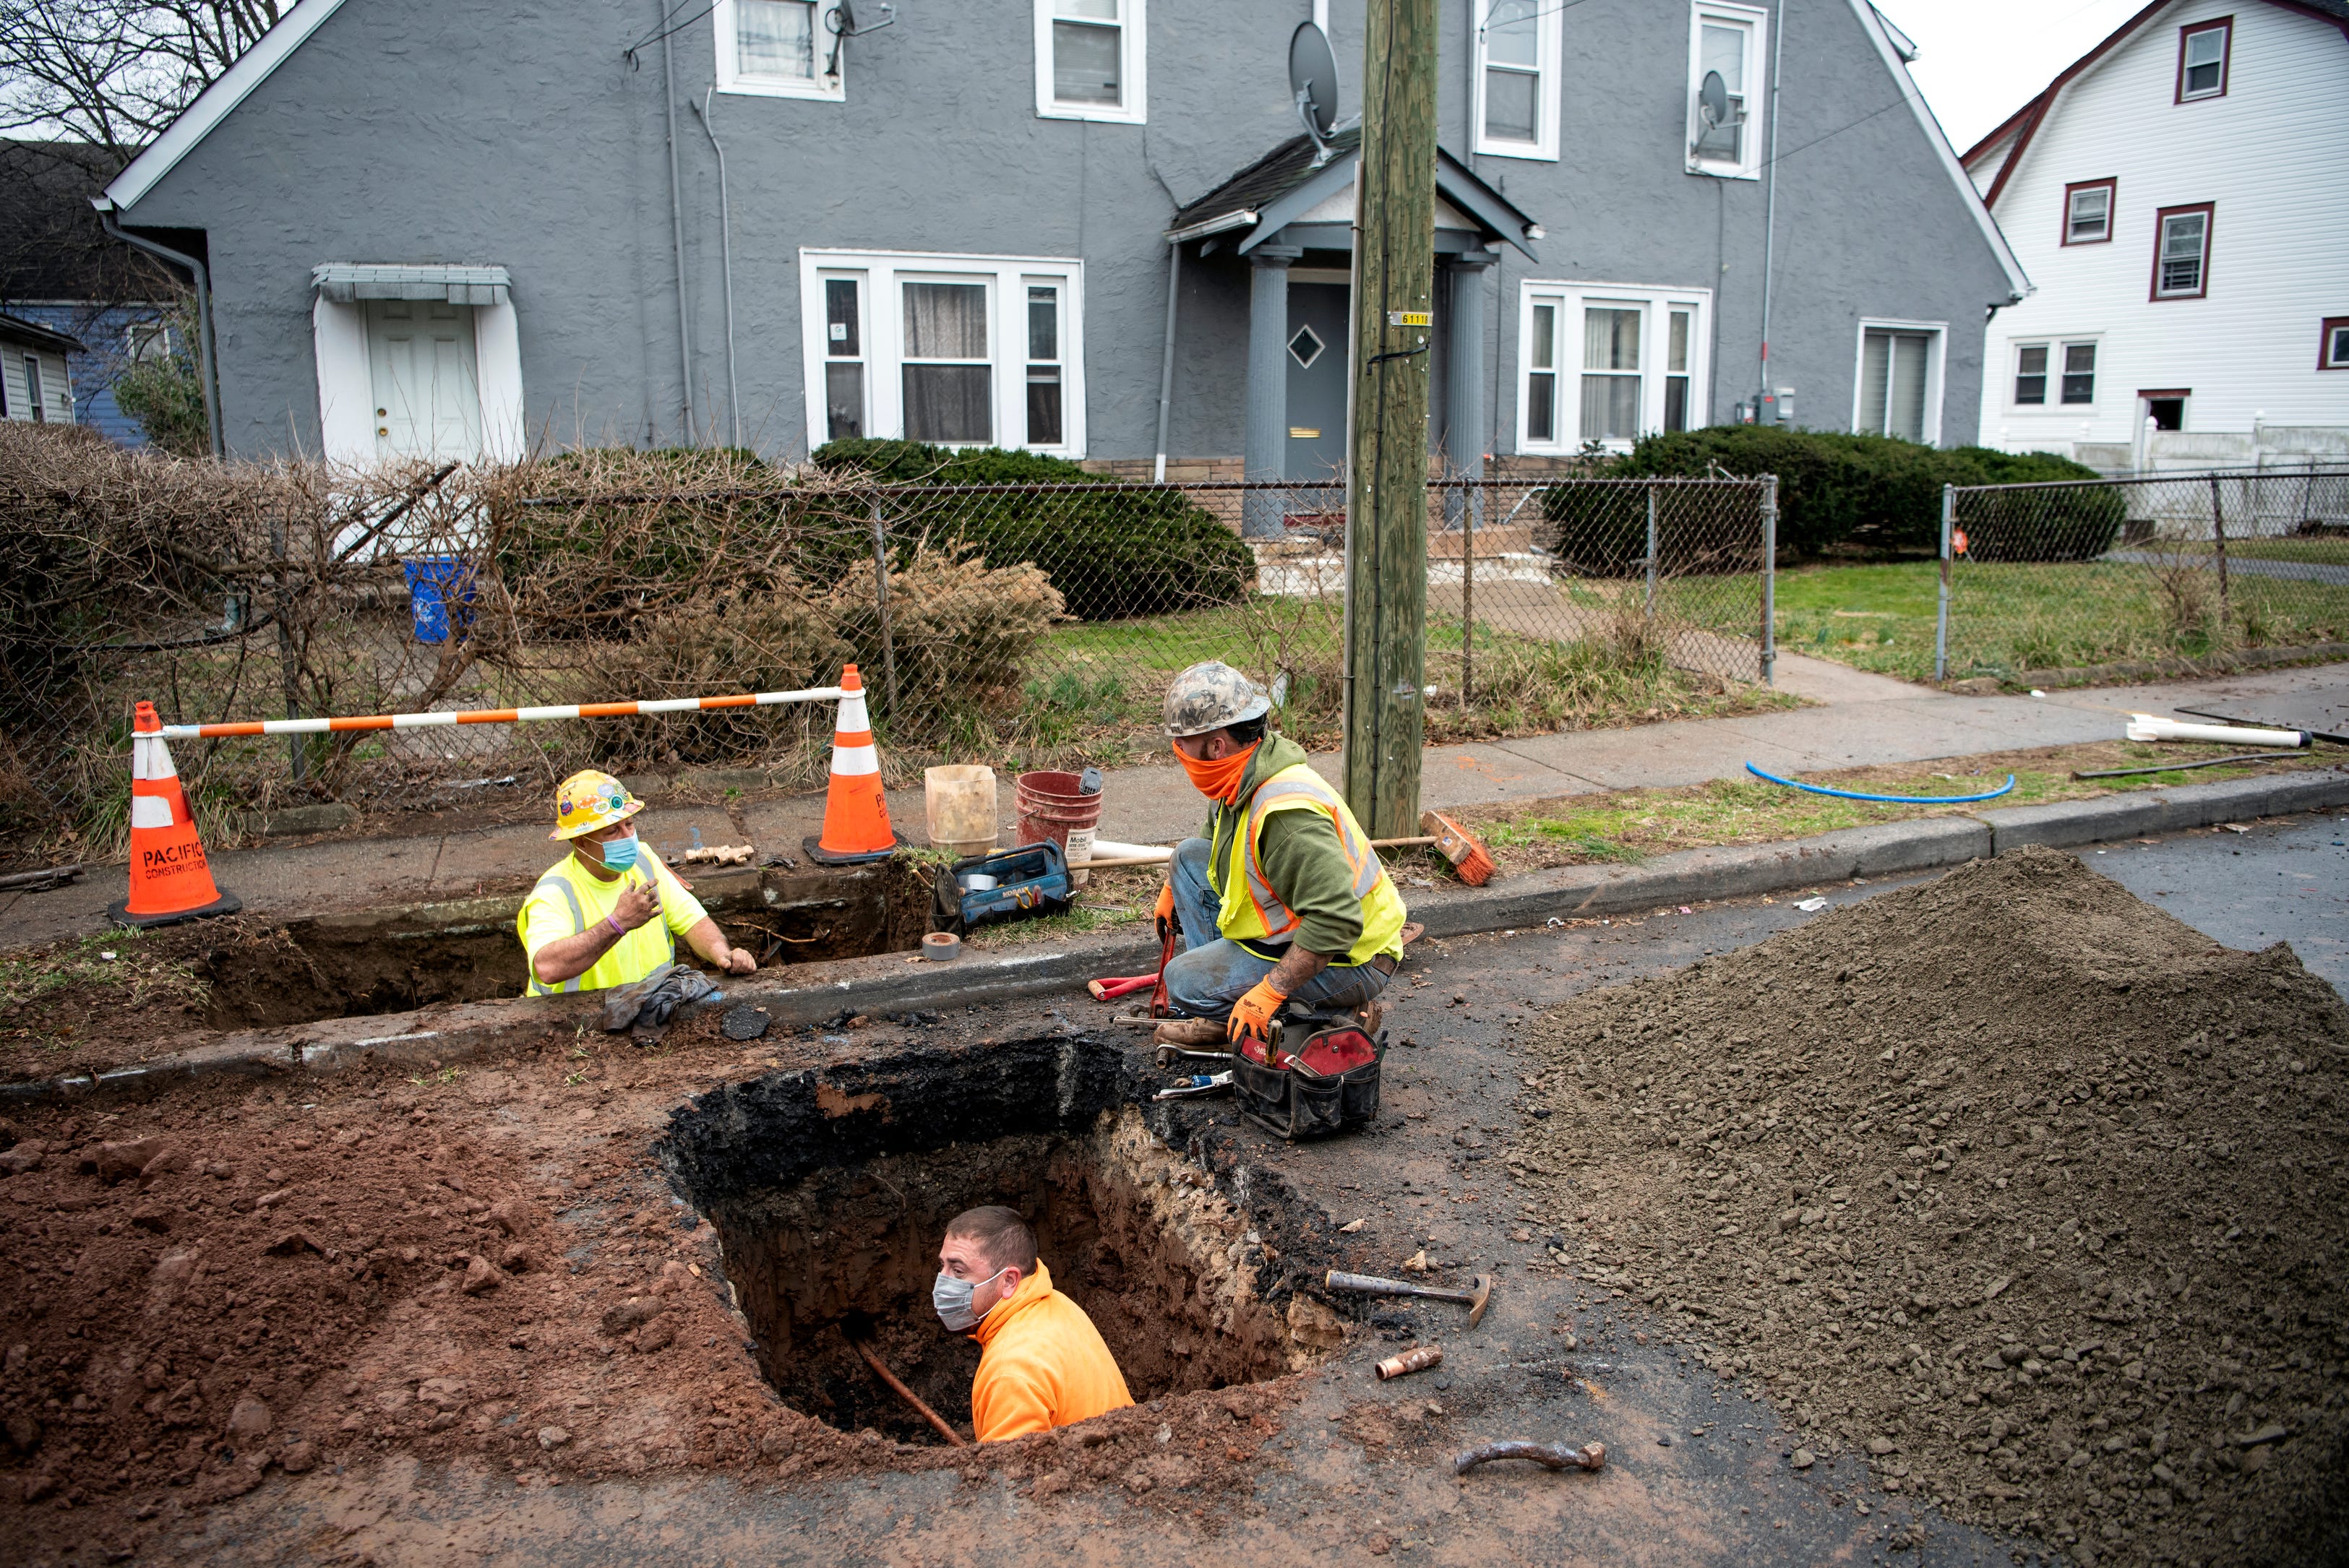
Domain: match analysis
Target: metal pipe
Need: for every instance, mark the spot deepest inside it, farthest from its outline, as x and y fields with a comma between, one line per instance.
x=1769, y=580
x=676, y=236
x=207, y=365
x=935, y=1419
x=1167, y=357
x=1770, y=199
x=881, y=602
x=1941, y=614
x=726, y=265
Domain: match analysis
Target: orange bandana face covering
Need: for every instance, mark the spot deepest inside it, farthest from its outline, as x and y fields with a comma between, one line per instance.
x=1218, y=781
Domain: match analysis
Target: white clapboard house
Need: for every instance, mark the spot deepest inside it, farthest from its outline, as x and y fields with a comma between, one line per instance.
x=2177, y=197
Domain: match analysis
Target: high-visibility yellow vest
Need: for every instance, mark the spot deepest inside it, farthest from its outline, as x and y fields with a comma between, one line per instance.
x=1252, y=910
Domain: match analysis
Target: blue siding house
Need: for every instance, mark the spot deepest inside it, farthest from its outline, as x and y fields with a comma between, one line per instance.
x=60, y=270
x=468, y=231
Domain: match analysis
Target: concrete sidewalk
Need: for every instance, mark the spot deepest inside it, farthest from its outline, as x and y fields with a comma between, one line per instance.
x=1857, y=720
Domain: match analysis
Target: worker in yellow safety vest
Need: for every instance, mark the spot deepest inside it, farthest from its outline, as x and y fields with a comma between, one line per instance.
x=608, y=914
x=1283, y=899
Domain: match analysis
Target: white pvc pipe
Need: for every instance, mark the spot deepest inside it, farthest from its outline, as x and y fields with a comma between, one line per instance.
x=2146, y=727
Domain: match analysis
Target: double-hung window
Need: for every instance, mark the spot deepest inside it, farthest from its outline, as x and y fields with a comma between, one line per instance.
x=2332, y=344
x=1517, y=74
x=2088, y=211
x=775, y=49
x=2071, y=365
x=2181, y=256
x=1088, y=59
x=1725, y=41
x=1607, y=364
x=2203, y=51
x=958, y=351
x=1899, y=387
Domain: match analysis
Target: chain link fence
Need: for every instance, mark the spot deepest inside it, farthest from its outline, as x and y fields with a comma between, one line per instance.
x=2071, y=576
x=1018, y=623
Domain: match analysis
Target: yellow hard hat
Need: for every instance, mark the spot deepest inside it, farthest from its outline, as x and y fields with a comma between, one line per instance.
x=589, y=800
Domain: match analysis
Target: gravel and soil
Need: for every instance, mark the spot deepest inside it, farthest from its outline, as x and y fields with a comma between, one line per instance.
x=480, y=1265
x=2026, y=1192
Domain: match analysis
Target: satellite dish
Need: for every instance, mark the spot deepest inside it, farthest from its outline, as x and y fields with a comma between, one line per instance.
x=1313, y=77
x=1713, y=100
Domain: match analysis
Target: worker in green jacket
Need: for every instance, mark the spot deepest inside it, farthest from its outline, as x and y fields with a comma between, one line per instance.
x=1282, y=898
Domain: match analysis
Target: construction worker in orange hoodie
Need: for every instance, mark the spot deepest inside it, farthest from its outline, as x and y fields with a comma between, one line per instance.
x=1041, y=1362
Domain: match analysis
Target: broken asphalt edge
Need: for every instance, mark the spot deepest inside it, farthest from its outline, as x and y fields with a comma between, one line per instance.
x=897, y=983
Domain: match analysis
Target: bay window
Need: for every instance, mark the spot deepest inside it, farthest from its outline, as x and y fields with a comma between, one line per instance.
x=1608, y=363
x=952, y=350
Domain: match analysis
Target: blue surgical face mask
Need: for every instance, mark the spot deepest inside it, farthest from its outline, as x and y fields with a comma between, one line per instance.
x=951, y=1296
x=619, y=854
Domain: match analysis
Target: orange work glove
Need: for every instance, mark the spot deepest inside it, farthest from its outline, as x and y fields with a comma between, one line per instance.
x=1252, y=1014
x=1166, y=910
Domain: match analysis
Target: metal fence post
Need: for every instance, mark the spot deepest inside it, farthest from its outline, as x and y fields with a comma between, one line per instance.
x=2219, y=535
x=881, y=602
x=289, y=661
x=1769, y=578
x=1649, y=609
x=1467, y=602
x=1941, y=613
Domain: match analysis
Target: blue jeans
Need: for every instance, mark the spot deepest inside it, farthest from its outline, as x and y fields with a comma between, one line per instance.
x=1211, y=974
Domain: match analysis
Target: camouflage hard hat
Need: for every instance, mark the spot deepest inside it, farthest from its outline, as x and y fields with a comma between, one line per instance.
x=1211, y=696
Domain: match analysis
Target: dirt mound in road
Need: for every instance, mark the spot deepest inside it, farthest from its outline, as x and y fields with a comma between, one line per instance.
x=2027, y=1192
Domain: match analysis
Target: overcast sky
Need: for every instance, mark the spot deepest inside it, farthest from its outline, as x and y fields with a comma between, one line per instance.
x=1979, y=60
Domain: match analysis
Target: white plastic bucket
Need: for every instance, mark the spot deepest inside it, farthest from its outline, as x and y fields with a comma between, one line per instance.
x=959, y=800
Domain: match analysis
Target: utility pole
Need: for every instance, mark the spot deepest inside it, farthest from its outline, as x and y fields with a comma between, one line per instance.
x=1386, y=481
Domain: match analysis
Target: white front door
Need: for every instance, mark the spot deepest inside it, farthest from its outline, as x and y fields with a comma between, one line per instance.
x=427, y=399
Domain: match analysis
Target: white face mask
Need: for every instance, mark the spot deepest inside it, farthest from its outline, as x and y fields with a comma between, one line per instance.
x=952, y=1298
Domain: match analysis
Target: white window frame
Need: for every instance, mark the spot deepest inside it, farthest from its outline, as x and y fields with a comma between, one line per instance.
x=2055, y=345
x=881, y=302
x=1550, y=56
x=731, y=79
x=1656, y=305
x=1936, y=368
x=1134, y=35
x=1756, y=23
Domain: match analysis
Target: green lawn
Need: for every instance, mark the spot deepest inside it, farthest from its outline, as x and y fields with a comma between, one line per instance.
x=1877, y=618
x=2006, y=618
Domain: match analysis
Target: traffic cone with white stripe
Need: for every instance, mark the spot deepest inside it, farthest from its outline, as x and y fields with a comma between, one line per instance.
x=169, y=879
x=855, y=817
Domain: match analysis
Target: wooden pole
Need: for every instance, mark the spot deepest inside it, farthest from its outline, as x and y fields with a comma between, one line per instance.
x=1386, y=481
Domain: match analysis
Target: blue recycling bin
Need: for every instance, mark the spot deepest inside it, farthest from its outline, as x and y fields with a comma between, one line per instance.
x=439, y=596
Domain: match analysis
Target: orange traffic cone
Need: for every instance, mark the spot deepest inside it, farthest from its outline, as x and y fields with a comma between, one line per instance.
x=169, y=879
x=855, y=817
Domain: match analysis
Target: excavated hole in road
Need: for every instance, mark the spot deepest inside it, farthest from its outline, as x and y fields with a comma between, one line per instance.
x=396, y=959
x=831, y=1192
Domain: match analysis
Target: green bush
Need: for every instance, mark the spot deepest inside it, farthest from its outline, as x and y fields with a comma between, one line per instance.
x=1127, y=550
x=1872, y=494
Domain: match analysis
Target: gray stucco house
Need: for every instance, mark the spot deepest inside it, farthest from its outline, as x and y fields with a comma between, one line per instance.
x=466, y=230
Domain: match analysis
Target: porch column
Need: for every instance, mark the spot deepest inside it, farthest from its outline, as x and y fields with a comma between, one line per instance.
x=1268, y=385
x=1463, y=414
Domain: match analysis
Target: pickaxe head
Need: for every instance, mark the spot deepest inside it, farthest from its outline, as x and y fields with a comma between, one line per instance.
x=1479, y=1299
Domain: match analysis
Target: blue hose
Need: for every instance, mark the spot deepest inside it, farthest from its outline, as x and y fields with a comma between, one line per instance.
x=1893, y=800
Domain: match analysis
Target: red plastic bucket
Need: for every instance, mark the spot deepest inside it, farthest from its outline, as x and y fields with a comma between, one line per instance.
x=1051, y=806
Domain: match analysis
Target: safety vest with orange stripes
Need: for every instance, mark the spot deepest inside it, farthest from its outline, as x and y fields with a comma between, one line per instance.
x=1260, y=915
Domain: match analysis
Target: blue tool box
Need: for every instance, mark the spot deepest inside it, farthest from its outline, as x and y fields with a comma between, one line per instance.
x=1032, y=879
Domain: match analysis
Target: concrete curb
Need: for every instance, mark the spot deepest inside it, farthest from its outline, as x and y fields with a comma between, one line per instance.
x=898, y=982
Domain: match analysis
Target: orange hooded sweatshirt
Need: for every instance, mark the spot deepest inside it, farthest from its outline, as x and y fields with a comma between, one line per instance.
x=1041, y=1363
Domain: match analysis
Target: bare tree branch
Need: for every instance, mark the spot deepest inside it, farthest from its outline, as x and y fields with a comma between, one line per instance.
x=115, y=73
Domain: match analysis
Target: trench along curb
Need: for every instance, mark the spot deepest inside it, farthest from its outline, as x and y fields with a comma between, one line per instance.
x=887, y=984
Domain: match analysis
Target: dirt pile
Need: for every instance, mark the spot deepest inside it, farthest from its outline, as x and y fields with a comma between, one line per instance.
x=2025, y=1191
